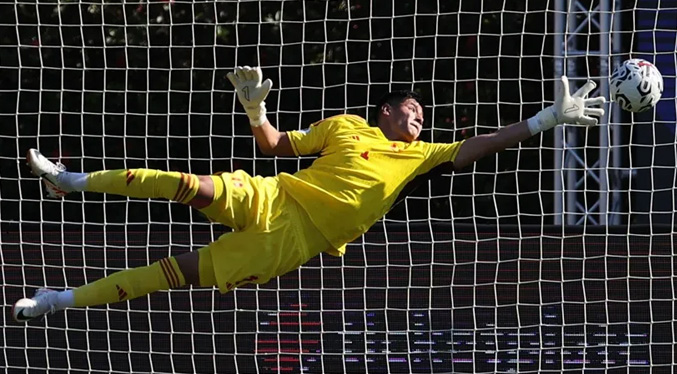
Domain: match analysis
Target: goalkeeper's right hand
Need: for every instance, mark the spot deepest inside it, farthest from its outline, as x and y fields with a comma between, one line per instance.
x=251, y=92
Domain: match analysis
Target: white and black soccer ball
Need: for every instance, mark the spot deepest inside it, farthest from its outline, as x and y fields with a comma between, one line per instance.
x=636, y=85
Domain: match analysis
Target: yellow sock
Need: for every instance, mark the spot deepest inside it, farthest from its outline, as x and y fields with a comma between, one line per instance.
x=145, y=183
x=130, y=284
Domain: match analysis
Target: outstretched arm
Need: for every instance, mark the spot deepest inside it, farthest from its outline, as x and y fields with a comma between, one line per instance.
x=252, y=92
x=479, y=146
x=567, y=108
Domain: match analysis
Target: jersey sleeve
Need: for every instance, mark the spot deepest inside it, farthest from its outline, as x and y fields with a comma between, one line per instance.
x=439, y=153
x=311, y=140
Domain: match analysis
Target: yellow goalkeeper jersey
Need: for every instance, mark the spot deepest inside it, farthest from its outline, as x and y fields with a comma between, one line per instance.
x=358, y=175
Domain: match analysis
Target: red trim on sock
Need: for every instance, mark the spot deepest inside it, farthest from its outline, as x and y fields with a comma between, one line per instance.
x=172, y=270
x=189, y=186
x=169, y=272
x=122, y=294
x=179, y=188
x=130, y=177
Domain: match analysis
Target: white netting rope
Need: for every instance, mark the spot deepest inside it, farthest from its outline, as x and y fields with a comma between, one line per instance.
x=479, y=280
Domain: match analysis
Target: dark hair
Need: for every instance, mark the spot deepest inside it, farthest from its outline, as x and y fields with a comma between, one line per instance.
x=394, y=98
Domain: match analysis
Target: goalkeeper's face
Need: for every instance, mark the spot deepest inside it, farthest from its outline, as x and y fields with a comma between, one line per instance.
x=405, y=120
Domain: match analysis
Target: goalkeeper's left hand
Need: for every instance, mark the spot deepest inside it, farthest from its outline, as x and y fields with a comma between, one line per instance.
x=251, y=92
x=568, y=108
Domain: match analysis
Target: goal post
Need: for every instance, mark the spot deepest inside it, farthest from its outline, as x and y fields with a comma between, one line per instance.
x=556, y=255
x=602, y=172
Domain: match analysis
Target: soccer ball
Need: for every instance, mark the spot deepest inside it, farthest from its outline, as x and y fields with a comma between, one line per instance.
x=636, y=85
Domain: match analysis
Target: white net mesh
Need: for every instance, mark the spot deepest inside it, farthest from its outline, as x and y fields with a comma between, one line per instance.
x=472, y=273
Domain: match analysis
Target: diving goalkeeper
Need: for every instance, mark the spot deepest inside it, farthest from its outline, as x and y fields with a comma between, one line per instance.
x=281, y=222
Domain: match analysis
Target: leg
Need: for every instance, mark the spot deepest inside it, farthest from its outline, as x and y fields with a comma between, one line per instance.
x=196, y=191
x=210, y=194
x=169, y=273
x=145, y=183
x=193, y=190
x=131, y=283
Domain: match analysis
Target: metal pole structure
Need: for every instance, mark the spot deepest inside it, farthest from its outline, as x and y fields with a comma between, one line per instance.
x=582, y=172
x=571, y=157
x=614, y=121
x=604, y=130
x=560, y=22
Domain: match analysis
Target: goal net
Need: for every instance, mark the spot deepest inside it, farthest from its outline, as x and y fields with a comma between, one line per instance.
x=555, y=255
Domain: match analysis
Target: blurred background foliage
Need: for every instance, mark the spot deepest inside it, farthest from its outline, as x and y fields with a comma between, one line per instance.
x=142, y=84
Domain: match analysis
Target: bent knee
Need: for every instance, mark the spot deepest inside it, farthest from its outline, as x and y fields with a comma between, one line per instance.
x=205, y=193
x=188, y=265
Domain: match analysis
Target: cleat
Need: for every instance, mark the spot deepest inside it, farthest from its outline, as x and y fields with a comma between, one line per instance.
x=48, y=171
x=43, y=302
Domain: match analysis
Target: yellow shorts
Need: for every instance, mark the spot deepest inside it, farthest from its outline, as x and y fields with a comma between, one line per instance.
x=272, y=233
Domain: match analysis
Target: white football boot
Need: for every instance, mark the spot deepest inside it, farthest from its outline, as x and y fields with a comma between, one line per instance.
x=48, y=171
x=44, y=301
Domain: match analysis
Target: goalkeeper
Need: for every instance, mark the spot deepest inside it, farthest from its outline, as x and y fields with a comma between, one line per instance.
x=281, y=222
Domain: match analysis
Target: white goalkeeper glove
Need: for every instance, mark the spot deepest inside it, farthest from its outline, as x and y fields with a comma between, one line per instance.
x=568, y=108
x=251, y=92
